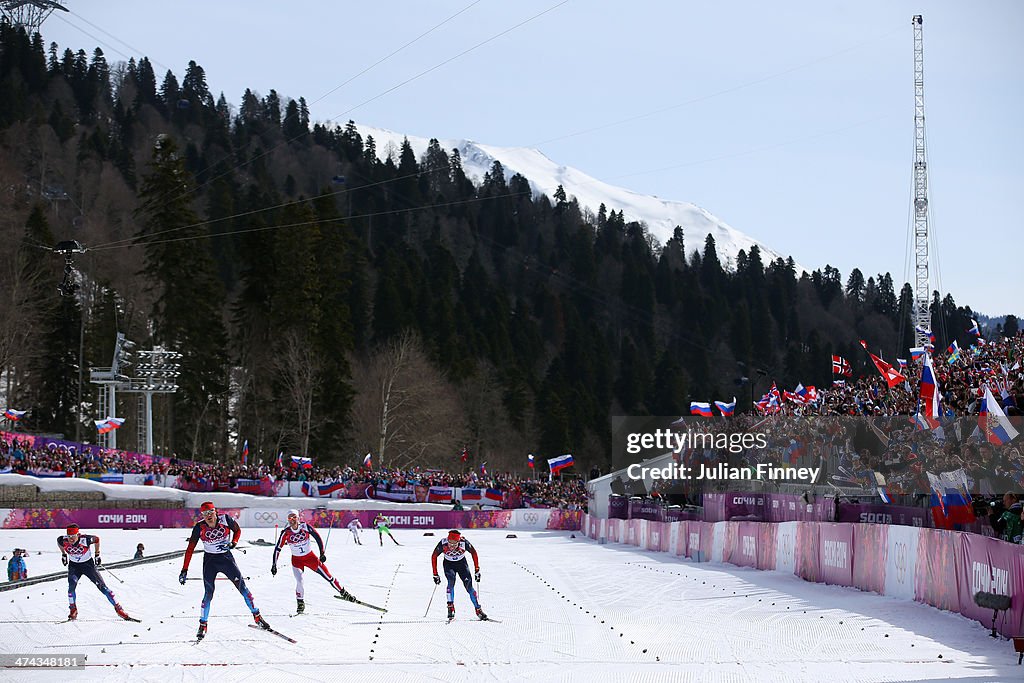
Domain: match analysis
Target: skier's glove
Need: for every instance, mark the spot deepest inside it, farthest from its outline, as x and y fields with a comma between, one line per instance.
x=437, y=579
x=323, y=557
x=476, y=575
x=232, y=545
x=182, y=577
x=98, y=561
x=273, y=570
x=64, y=560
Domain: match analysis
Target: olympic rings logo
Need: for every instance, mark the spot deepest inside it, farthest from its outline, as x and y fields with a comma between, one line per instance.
x=265, y=516
x=531, y=517
x=900, y=560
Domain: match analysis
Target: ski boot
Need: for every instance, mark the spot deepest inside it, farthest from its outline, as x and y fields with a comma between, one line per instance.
x=260, y=621
x=73, y=613
x=202, y=631
x=345, y=595
x=480, y=614
x=121, y=613
x=301, y=607
x=451, y=611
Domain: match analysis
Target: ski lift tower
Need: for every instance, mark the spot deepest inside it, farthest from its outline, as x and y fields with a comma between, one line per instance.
x=29, y=14
x=922, y=289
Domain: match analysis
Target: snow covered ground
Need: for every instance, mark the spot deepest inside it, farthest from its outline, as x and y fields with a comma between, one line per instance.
x=569, y=609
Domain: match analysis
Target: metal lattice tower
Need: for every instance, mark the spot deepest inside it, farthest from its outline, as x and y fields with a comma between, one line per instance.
x=922, y=288
x=29, y=14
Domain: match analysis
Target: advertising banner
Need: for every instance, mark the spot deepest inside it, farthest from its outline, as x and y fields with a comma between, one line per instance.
x=836, y=553
x=901, y=561
x=785, y=547
x=869, y=548
x=988, y=565
x=935, y=570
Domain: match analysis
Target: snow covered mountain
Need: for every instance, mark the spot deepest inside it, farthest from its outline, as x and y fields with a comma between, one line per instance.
x=660, y=215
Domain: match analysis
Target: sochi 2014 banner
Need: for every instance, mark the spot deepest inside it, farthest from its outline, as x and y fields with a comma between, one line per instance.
x=103, y=519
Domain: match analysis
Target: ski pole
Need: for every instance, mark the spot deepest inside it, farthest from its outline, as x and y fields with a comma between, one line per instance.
x=111, y=573
x=431, y=599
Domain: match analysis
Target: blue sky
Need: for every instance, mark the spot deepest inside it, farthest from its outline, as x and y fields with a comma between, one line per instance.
x=791, y=121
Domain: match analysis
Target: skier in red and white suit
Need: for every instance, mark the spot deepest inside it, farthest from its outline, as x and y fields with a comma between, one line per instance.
x=297, y=534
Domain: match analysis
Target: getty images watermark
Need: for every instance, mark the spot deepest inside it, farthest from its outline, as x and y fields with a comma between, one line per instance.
x=703, y=454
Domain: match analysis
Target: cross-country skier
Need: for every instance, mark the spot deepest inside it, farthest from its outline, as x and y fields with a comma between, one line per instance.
x=219, y=534
x=355, y=526
x=297, y=535
x=381, y=522
x=454, y=549
x=80, y=553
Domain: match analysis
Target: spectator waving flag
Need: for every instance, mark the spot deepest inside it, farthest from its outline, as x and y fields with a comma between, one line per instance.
x=14, y=415
x=917, y=353
x=464, y=456
x=304, y=463
x=368, y=461
x=280, y=457
x=560, y=463
x=529, y=461
x=727, y=409
x=975, y=330
x=700, y=408
x=245, y=452
x=483, y=469
x=927, y=333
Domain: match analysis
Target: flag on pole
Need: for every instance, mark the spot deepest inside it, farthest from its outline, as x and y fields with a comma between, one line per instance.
x=14, y=415
x=304, y=463
x=464, y=456
x=975, y=330
x=700, y=408
x=245, y=452
x=483, y=469
x=368, y=462
x=529, y=461
x=280, y=455
x=892, y=375
x=929, y=409
x=917, y=353
x=840, y=366
x=727, y=409
x=954, y=352
x=560, y=463
x=927, y=333
x=109, y=424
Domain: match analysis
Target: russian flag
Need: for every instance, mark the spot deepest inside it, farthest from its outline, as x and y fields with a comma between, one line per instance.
x=926, y=333
x=917, y=353
x=307, y=488
x=930, y=408
x=702, y=409
x=560, y=463
x=14, y=415
x=974, y=328
x=471, y=495
x=108, y=425
x=993, y=421
x=368, y=462
x=245, y=452
x=483, y=469
x=494, y=496
x=280, y=455
x=325, y=490
x=529, y=461
x=727, y=409
x=304, y=463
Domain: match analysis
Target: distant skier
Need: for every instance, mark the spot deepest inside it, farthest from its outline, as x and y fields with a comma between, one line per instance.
x=78, y=555
x=355, y=526
x=214, y=531
x=381, y=522
x=454, y=549
x=297, y=535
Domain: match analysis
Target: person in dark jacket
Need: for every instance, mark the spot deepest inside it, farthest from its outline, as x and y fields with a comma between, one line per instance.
x=1009, y=524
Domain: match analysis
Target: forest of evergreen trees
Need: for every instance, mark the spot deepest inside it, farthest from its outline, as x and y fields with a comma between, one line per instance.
x=329, y=303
